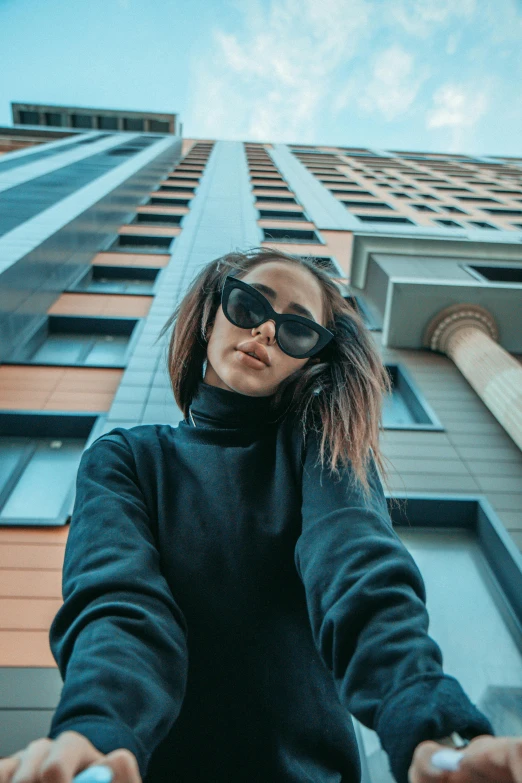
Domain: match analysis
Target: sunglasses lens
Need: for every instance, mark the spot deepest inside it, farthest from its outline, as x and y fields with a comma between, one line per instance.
x=246, y=311
x=297, y=338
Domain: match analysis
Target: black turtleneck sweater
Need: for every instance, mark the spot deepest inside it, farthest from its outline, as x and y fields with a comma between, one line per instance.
x=227, y=605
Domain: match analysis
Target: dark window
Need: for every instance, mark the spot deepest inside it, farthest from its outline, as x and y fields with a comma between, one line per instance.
x=448, y=223
x=401, y=195
x=367, y=204
x=158, y=217
x=423, y=208
x=502, y=211
x=289, y=235
x=158, y=126
x=384, y=219
x=118, y=280
x=107, y=123
x=148, y=242
x=29, y=118
x=517, y=225
x=281, y=215
x=278, y=199
x=406, y=408
x=132, y=124
x=81, y=120
x=499, y=274
x=480, y=199
x=170, y=202
x=39, y=459
x=271, y=187
x=481, y=224
x=429, y=196
x=53, y=118
x=447, y=208
x=346, y=192
x=184, y=188
x=79, y=341
x=508, y=192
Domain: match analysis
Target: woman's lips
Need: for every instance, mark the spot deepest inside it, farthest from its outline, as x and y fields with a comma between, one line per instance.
x=250, y=361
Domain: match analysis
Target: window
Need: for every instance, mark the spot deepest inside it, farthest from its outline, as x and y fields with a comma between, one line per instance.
x=447, y=208
x=117, y=280
x=29, y=118
x=401, y=195
x=481, y=224
x=406, y=408
x=157, y=217
x=448, y=223
x=349, y=192
x=271, y=187
x=281, y=215
x=289, y=235
x=168, y=202
x=158, y=126
x=384, y=219
x=53, y=118
x=502, y=211
x=496, y=274
x=133, y=124
x=429, y=196
x=278, y=199
x=145, y=243
x=423, y=208
x=517, y=225
x=461, y=549
x=366, y=204
x=477, y=199
x=107, y=123
x=184, y=188
x=81, y=120
x=39, y=459
x=85, y=341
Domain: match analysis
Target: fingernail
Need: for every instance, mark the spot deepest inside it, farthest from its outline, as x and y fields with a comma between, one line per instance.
x=447, y=759
x=97, y=774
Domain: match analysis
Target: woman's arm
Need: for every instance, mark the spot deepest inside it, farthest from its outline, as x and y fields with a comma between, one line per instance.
x=367, y=607
x=119, y=639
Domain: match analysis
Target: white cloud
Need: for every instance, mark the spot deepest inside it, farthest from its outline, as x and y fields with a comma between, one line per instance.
x=277, y=78
x=459, y=109
x=394, y=84
x=452, y=43
x=419, y=17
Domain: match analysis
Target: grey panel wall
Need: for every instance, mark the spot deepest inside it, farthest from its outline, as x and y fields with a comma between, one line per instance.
x=30, y=286
x=473, y=456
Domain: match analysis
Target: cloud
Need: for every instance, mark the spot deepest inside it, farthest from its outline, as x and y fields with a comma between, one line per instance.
x=459, y=109
x=277, y=77
x=420, y=17
x=394, y=84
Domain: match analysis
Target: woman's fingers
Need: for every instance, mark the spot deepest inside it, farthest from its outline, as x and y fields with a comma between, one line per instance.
x=28, y=762
x=124, y=764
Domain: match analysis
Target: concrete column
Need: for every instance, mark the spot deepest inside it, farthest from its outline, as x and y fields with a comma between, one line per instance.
x=468, y=334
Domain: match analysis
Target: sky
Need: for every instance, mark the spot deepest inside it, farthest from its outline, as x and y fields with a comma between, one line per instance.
x=420, y=75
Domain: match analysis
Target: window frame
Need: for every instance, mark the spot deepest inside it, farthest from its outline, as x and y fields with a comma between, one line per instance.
x=414, y=400
x=36, y=426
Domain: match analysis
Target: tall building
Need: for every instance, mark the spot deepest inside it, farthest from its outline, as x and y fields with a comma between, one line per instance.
x=100, y=234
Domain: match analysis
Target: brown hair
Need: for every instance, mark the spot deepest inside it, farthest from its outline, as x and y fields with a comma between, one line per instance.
x=340, y=396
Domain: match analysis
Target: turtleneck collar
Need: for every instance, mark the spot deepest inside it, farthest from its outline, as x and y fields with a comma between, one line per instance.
x=220, y=408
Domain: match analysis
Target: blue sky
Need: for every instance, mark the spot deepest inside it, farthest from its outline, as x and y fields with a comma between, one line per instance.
x=441, y=75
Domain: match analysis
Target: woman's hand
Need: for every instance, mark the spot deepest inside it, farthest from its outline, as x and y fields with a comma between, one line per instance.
x=59, y=760
x=486, y=759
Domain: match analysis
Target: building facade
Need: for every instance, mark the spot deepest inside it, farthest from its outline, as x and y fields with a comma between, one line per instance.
x=100, y=235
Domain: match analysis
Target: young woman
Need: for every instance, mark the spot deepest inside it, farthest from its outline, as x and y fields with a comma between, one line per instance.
x=233, y=587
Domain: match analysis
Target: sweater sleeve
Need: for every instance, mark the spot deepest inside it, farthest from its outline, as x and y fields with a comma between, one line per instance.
x=119, y=639
x=366, y=601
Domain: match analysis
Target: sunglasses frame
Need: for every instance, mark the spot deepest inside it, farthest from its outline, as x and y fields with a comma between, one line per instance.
x=231, y=282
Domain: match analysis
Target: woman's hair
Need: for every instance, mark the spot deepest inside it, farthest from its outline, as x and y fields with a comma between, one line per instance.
x=340, y=396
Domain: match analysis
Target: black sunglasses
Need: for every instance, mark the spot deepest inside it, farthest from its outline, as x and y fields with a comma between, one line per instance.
x=246, y=307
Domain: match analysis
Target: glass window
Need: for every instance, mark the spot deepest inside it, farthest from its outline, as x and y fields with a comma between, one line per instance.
x=289, y=235
x=405, y=408
x=81, y=120
x=133, y=124
x=481, y=645
x=29, y=118
x=158, y=126
x=107, y=123
x=54, y=118
x=37, y=475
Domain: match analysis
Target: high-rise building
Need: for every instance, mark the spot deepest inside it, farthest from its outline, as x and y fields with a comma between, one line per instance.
x=100, y=234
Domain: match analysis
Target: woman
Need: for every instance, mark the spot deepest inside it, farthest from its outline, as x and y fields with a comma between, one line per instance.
x=227, y=602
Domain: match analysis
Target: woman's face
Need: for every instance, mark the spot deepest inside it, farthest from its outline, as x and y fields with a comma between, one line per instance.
x=226, y=365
